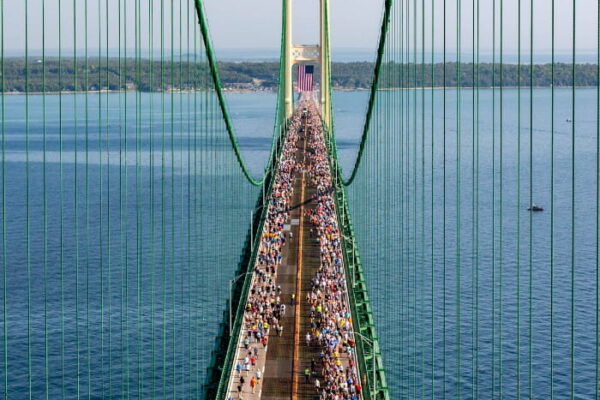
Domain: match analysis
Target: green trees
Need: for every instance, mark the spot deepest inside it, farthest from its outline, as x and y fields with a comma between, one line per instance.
x=105, y=75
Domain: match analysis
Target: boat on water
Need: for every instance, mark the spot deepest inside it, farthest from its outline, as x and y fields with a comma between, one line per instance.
x=535, y=208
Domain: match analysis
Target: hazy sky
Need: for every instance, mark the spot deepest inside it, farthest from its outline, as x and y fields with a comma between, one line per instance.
x=247, y=24
x=257, y=23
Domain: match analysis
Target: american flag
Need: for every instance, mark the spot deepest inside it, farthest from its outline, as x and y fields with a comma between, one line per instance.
x=305, y=78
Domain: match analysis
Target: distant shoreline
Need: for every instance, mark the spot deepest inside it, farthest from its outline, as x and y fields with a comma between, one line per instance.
x=93, y=76
x=237, y=91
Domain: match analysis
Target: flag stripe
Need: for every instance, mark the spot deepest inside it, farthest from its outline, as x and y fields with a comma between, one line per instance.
x=305, y=78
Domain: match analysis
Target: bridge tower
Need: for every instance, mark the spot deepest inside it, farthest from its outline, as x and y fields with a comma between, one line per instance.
x=317, y=54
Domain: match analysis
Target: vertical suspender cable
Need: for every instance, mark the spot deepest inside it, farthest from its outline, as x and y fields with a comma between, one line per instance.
x=61, y=205
x=530, y=241
x=415, y=252
x=518, y=211
x=189, y=203
x=45, y=206
x=402, y=195
x=27, y=239
x=182, y=200
x=444, y=188
x=477, y=152
x=401, y=188
x=172, y=222
x=597, y=355
x=120, y=88
x=476, y=196
x=501, y=199
x=493, y=231
x=422, y=270
x=414, y=198
x=126, y=373
x=410, y=199
x=172, y=113
x=122, y=195
x=196, y=86
x=191, y=220
x=4, y=241
x=100, y=199
x=477, y=213
x=76, y=200
x=409, y=131
x=458, y=199
x=552, y=105
x=162, y=201
x=108, y=214
x=87, y=208
x=473, y=191
x=422, y=239
x=401, y=183
x=572, y=341
x=493, y=225
x=138, y=179
x=152, y=201
x=432, y=201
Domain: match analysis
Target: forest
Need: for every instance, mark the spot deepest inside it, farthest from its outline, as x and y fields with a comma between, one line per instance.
x=52, y=75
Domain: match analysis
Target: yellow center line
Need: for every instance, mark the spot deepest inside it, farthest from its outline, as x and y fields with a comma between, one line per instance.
x=295, y=366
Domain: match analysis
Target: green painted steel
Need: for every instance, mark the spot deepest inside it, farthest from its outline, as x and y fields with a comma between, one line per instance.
x=373, y=378
x=223, y=356
x=221, y=365
x=383, y=40
x=370, y=360
x=373, y=374
x=145, y=261
x=279, y=113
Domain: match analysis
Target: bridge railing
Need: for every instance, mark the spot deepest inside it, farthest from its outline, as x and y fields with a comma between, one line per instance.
x=370, y=361
x=223, y=357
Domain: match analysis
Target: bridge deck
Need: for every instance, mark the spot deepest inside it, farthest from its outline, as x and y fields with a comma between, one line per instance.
x=285, y=358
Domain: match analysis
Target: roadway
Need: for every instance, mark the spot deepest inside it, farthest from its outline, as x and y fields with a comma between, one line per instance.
x=283, y=361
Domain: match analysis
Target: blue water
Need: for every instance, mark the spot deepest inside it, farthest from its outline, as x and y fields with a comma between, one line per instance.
x=126, y=291
x=151, y=320
x=409, y=246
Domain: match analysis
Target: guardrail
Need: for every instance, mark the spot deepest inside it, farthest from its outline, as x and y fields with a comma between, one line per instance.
x=223, y=357
x=369, y=358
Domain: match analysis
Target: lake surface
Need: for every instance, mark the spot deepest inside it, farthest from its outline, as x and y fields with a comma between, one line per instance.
x=151, y=320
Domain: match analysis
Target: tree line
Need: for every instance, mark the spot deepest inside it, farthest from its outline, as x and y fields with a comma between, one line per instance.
x=114, y=74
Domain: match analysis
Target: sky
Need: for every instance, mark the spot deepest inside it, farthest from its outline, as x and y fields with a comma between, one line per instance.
x=255, y=25
x=354, y=23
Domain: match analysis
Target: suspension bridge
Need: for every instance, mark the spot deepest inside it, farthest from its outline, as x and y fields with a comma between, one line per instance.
x=451, y=249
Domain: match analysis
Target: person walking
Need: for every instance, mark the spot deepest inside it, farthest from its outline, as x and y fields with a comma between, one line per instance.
x=253, y=384
x=307, y=375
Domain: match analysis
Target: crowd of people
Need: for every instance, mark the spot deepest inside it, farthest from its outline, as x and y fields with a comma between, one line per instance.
x=334, y=375
x=264, y=307
x=330, y=318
